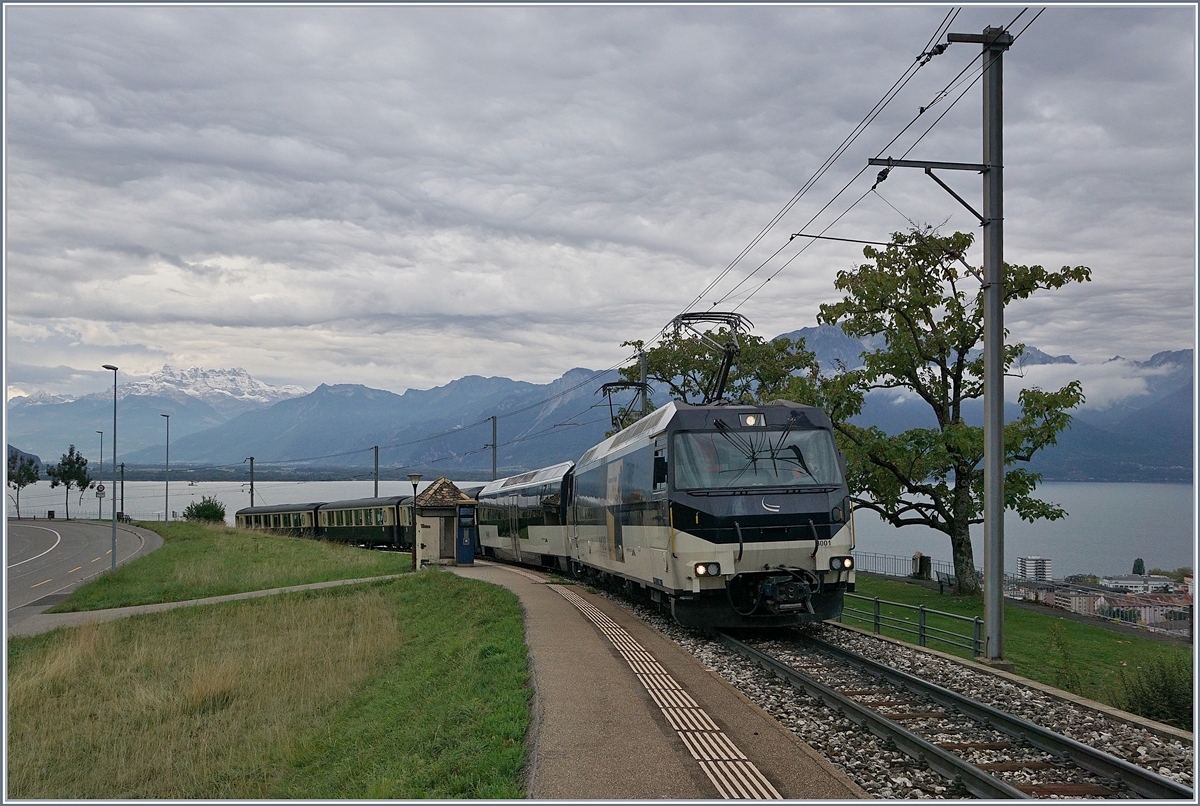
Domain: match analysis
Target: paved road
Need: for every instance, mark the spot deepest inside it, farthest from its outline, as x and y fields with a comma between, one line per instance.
x=49, y=559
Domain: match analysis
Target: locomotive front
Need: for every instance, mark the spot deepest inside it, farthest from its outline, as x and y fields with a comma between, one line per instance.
x=760, y=512
x=733, y=515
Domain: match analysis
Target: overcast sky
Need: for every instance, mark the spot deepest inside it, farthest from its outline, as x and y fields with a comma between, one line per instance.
x=401, y=196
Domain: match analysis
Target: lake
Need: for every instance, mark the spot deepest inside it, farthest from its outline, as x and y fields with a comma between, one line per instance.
x=1108, y=526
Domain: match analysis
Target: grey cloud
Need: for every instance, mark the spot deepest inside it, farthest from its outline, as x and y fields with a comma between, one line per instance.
x=528, y=175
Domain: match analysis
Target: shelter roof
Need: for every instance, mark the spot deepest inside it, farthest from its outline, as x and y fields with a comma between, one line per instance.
x=442, y=493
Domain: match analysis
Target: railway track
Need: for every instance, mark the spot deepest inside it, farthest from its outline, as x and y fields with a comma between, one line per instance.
x=985, y=751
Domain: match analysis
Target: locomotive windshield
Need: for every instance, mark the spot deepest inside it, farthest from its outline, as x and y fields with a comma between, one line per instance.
x=729, y=458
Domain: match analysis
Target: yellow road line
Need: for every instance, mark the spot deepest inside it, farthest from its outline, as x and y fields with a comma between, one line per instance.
x=108, y=552
x=98, y=559
x=43, y=582
x=76, y=568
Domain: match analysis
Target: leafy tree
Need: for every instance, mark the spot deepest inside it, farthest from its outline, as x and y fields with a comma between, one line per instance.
x=912, y=294
x=71, y=471
x=1178, y=574
x=1139, y=567
x=21, y=473
x=762, y=371
x=208, y=508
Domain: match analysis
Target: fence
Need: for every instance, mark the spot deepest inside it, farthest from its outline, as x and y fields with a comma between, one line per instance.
x=882, y=614
x=893, y=565
x=1130, y=609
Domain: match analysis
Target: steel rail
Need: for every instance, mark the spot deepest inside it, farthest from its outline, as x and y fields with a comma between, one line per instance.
x=943, y=762
x=1144, y=782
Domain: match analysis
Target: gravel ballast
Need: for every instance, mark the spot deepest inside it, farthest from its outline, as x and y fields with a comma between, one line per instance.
x=888, y=773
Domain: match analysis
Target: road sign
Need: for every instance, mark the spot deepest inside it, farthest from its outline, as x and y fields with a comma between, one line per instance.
x=99, y=490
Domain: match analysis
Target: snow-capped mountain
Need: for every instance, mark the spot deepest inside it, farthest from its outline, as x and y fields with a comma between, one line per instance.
x=39, y=399
x=226, y=390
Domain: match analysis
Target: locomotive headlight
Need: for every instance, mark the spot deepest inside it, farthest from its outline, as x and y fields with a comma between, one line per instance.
x=755, y=420
x=841, y=563
x=708, y=569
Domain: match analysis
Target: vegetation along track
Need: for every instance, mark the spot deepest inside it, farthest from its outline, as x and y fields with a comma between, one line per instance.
x=985, y=751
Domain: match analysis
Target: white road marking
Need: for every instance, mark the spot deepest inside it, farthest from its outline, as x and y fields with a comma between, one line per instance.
x=44, y=553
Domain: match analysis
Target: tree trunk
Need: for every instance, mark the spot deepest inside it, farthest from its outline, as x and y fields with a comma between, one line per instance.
x=67, y=502
x=960, y=538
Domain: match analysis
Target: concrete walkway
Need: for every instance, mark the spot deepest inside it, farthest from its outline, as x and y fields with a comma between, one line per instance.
x=620, y=712
x=44, y=622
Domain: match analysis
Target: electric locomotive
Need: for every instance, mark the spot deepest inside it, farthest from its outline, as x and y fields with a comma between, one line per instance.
x=730, y=515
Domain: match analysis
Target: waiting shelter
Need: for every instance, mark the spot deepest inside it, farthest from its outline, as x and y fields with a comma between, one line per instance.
x=445, y=526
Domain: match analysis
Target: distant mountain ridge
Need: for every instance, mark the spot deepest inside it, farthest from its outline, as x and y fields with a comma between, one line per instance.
x=219, y=417
x=339, y=424
x=833, y=348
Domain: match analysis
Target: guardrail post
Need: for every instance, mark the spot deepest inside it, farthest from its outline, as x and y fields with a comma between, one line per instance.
x=977, y=643
x=921, y=625
x=876, y=615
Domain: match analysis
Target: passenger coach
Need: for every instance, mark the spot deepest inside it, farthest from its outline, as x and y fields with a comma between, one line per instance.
x=522, y=518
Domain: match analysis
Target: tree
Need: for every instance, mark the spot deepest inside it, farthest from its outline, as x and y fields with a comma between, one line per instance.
x=1139, y=567
x=911, y=293
x=763, y=370
x=21, y=473
x=208, y=508
x=71, y=471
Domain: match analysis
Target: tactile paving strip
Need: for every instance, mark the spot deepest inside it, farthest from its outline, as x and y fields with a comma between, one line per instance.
x=734, y=776
x=726, y=766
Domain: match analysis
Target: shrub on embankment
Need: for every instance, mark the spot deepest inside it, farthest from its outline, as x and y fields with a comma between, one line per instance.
x=410, y=688
x=201, y=559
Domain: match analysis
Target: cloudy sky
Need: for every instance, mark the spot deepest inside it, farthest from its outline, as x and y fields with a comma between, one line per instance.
x=400, y=196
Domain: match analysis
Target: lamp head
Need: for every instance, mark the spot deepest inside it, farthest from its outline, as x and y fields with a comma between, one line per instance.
x=165, y=415
x=110, y=366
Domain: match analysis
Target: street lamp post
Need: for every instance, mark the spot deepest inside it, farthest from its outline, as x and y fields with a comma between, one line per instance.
x=167, y=492
x=114, y=459
x=100, y=474
x=414, y=478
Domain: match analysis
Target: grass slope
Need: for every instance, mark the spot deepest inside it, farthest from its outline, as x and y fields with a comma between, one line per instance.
x=410, y=688
x=199, y=560
x=1087, y=659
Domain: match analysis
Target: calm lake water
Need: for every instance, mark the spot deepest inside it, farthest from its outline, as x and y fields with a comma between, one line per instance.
x=1109, y=525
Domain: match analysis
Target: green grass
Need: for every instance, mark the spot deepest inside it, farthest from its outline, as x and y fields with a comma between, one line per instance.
x=199, y=560
x=410, y=688
x=1087, y=659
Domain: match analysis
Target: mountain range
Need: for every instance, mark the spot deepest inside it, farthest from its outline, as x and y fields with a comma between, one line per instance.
x=221, y=417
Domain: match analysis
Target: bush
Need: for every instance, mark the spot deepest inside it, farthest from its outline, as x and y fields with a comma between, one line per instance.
x=1159, y=689
x=208, y=508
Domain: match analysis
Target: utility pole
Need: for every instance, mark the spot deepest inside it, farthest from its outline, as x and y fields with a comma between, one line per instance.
x=376, y=471
x=642, y=380
x=994, y=41
x=250, y=459
x=493, y=447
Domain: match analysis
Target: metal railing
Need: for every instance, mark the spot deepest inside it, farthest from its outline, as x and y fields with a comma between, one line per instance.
x=893, y=565
x=879, y=618
x=1124, y=608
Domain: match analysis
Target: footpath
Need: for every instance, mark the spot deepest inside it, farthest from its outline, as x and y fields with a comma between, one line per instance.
x=620, y=712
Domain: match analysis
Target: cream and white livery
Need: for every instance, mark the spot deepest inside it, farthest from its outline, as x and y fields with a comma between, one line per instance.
x=727, y=515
